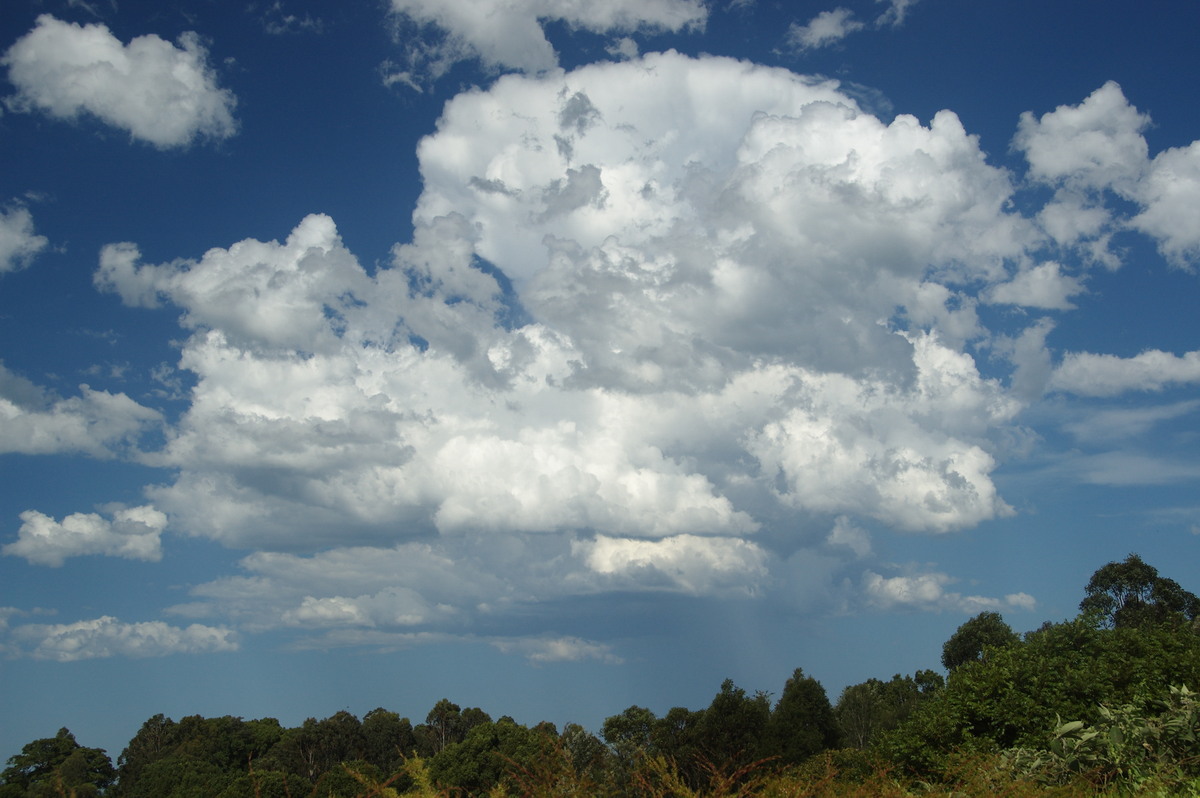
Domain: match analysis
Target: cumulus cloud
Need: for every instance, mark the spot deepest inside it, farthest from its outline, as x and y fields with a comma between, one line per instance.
x=133, y=533
x=668, y=324
x=108, y=637
x=1096, y=147
x=162, y=94
x=510, y=35
x=19, y=244
x=1089, y=374
x=689, y=563
x=1042, y=286
x=96, y=423
x=824, y=29
x=927, y=591
x=1170, y=196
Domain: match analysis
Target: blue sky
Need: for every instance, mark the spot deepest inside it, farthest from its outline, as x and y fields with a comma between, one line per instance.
x=556, y=361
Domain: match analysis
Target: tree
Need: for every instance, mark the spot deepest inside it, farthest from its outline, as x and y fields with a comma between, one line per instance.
x=388, y=739
x=803, y=722
x=444, y=720
x=1132, y=594
x=1066, y=670
x=52, y=762
x=866, y=710
x=731, y=730
x=971, y=640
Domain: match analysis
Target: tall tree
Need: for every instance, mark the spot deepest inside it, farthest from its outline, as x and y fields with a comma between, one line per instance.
x=1132, y=594
x=445, y=722
x=802, y=723
x=970, y=641
x=730, y=733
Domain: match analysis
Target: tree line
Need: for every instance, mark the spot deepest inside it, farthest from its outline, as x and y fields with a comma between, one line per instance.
x=1100, y=702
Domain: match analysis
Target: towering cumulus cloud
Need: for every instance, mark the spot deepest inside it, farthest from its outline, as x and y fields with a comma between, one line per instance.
x=649, y=310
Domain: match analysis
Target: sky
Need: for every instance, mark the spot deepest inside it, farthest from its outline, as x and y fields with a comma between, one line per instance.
x=555, y=357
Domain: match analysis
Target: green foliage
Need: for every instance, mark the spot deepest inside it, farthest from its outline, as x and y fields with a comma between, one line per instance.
x=970, y=642
x=1144, y=742
x=1132, y=594
x=802, y=723
x=1061, y=670
x=57, y=763
x=866, y=710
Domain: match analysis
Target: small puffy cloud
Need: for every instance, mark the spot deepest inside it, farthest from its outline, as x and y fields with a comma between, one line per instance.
x=133, y=533
x=846, y=534
x=541, y=650
x=96, y=423
x=1097, y=144
x=108, y=637
x=163, y=94
x=1170, y=196
x=509, y=35
x=689, y=563
x=927, y=591
x=1043, y=286
x=1088, y=374
x=18, y=241
x=826, y=28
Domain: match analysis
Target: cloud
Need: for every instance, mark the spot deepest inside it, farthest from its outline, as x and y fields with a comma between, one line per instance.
x=824, y=29
x=96, y=423
x=133, y=533
x=689, y=563
x=162, y=94
x=1098, y=146
x=1042, y=286
x=1089, y=374
x=664, y=325
x=896, y=12
x=541, y=650
x=927, y=591
x=510, y=35
x=1170, y=196
x=19, y=244
x=108, y=637
x=1114, y=424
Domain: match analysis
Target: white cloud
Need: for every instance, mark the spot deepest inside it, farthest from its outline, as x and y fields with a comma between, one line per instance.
x=739, y=313
x=845, y=533
x=18, y=241
x=509, y=34
x=160, y=93
x=1130, y=468
x=540, y=650
x=1097, y=144
x=692, y=564
x=927, y=591
x=108, y=637
x=133, y=533
x=1114, y=424
x=824, y=29
x=896, y=12
x=1042, y=286
x=97, y=423
x=1088, y=374
x=1170, y=195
